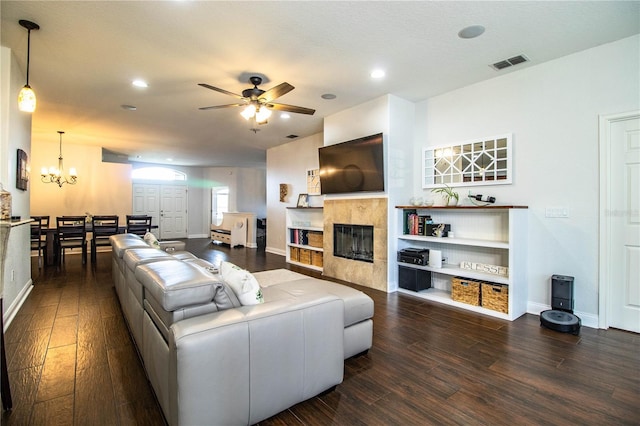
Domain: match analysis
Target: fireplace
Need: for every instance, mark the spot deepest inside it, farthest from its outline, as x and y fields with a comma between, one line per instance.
x=353, y=242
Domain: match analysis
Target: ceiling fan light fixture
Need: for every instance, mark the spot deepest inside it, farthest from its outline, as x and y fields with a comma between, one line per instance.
x=263, y=114
x=249, y=111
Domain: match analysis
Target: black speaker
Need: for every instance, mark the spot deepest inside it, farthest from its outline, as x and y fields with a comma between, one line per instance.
x=413, y=279
x=562, y=293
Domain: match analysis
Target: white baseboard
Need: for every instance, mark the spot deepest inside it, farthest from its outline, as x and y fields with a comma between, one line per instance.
x=588, y=320
x=12, y=310
x=198, y=236
x=275, y=251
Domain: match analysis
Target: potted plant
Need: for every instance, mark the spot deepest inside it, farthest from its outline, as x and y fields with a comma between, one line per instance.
x=450, y=196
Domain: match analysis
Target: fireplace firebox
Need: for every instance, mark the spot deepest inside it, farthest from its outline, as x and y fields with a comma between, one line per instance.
x=353, y=242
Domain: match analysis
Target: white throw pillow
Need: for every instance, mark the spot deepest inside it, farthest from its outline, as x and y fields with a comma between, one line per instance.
x=151, y=239
x=244, y=285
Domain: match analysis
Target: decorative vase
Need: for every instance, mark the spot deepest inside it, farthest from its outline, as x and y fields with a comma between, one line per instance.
x=452, y=202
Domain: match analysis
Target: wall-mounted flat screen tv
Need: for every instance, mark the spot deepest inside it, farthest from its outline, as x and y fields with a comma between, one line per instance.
x=352, y=166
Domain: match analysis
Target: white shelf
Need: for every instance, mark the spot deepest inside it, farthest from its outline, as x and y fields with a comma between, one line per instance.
x=305, y=265
x=453, y=270
x=306, y=228
x=458, y=241
x=312, y=219
x=495, y=235
x=305, y=247
x=444, y=297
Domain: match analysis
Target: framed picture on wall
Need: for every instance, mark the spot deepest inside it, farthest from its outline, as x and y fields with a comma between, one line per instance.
x=303, y=200
x=22, y=170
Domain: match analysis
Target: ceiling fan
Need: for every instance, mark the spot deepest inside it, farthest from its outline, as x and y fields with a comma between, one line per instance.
x=257, y=102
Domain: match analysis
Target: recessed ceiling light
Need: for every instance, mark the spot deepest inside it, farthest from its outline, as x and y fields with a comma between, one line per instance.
x=285, y=115
x=140, y=83
x=377, y=73
x=328, y=96
x=128, y=107
x=472, y=31
x=169, y=159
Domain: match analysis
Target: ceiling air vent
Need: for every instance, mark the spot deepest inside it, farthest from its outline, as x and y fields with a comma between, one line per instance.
x=292, y=136
x=509, y=62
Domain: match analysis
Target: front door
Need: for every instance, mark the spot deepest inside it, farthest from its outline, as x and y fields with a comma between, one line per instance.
x=167, y=206
x=621, y=231
x=173, y=212
x=146, y=201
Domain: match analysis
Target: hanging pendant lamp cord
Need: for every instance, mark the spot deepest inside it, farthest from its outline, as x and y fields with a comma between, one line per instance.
x=28, y=53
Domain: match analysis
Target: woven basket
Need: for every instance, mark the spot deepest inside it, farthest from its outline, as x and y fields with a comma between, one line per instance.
x=316, y=258
x=294, y=253
x=495, y=297
x=465, y=291
x=305, y=256
x=315, y=239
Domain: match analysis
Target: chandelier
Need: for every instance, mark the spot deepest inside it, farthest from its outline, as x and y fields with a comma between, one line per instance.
x=56, y=175
x=27, y=97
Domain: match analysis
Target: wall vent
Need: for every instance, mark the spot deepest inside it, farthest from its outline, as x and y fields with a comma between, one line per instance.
x=509, y=62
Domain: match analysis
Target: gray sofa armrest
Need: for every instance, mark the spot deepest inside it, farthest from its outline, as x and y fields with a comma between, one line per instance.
x=243, y=365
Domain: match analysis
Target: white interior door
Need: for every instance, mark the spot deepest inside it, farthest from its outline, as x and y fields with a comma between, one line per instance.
x=146, y=201
x=173, y=212
x=620, y=259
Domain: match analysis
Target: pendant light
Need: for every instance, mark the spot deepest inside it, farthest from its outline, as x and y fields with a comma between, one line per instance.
x=27, y=97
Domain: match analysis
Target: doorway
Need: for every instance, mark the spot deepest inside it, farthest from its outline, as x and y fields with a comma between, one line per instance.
x=167, y=206
x=619, y=277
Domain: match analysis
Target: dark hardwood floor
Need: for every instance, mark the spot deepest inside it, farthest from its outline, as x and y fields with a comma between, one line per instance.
x=71, y=361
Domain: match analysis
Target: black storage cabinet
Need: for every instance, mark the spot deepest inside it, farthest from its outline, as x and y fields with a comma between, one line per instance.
x=413, y=279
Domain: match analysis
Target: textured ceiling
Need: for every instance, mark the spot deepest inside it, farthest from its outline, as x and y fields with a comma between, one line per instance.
x=86, y=54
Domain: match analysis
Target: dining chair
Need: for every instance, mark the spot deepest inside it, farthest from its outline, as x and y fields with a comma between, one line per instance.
x=138, y=224
x=102, y=227
x=38, y=241
x=71, y=233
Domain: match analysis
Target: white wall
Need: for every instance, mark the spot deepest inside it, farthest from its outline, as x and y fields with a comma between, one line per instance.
x=15, y=133
x=287, y=164
x=394, y=117
x=247, y=190
x=102, y=188
x=552, y=110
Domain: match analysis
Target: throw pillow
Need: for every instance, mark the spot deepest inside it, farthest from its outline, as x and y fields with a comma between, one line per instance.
x=151, y=239
x=243, y=284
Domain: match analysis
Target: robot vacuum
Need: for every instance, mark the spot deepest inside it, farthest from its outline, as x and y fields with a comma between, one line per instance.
x=562, y=321
x=560, y=317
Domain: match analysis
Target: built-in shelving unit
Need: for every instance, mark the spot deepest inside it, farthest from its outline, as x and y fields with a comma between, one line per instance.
x=304, y=237
x=490, y=235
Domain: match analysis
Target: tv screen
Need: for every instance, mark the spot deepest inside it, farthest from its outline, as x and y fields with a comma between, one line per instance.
x=352, y=166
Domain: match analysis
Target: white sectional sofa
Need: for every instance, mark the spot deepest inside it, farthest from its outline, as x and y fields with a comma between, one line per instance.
x=211, y=360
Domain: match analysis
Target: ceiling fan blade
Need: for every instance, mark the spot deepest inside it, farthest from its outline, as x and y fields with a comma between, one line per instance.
x=276, y=92
x=291, y=108
x=217, y=89
x=221, y=106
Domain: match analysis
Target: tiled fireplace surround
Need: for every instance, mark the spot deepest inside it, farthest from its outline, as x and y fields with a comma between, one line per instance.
x=364, y=211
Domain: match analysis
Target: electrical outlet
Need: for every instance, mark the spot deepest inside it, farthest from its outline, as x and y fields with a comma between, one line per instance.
x=556, y=212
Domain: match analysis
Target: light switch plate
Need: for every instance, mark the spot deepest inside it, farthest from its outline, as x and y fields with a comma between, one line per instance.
x=562, y=212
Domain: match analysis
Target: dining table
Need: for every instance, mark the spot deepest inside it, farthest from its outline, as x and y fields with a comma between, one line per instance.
x=50, y=238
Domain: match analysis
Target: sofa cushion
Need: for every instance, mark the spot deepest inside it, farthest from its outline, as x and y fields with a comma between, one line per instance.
x=357, y=305
x=244, y=284
x=142, y=255
x=122, y=242
x=176, y=284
